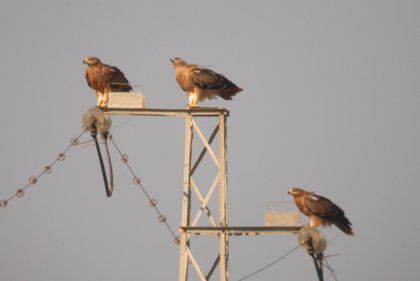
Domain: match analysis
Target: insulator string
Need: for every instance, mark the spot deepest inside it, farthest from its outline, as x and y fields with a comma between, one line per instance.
x=61, y=157
x=152, y=202
x=47, y=170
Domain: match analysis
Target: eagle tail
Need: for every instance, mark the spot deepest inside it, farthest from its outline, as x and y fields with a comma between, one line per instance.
x=228, y=93
x=339, y=220
x=345, y=226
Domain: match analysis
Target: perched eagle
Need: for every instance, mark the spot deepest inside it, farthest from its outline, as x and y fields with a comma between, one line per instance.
x=320, y=210
x=201, y=83
x=105, y=78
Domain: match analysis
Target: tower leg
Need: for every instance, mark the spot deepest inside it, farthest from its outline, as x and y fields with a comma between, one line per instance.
x=223, y=209
x=186, y=201
x=186, y=256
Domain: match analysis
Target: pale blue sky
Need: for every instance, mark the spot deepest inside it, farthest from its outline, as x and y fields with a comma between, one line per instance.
x=330, y=104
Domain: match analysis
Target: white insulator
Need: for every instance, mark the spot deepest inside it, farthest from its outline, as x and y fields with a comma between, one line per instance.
x=95, y=116
x=319, y=243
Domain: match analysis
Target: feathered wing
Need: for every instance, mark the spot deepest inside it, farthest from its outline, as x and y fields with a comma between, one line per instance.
x=327, y=212
x=214, y=83
x=115, y=79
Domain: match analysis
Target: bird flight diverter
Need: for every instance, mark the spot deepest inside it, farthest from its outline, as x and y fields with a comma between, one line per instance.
x=317, y=238
x=97, y=121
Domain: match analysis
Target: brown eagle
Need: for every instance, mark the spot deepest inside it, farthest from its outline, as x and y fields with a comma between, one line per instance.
x=200, y=82
x=320, y=210
x=105, y=78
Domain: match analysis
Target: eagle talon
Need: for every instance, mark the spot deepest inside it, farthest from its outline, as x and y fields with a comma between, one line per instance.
x=191, y=106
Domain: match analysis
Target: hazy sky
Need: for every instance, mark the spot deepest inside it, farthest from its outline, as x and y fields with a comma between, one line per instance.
x=330, y=103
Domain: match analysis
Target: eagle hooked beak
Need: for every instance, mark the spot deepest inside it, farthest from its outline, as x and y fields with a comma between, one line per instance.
x=171, y=60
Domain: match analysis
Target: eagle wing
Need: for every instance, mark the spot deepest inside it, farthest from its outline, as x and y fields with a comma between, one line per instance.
x=211, y=81
x=115, y=79
x=322, y=207
x=206, y=78
x=328, y=212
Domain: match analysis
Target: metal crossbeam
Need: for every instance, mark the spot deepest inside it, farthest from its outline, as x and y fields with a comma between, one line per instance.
x=240, y=230
x=180, y=113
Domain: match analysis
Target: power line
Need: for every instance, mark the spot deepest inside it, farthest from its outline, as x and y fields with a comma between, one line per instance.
x=332, y=271
x=47, y=170
x=270, y=264
x=152, y=202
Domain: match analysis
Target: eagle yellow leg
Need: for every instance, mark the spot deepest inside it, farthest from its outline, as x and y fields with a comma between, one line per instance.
x=192, y=99
x=105, y=99
x=101, y=103
x=98, y=98
x=102, y=99
x=315, y=221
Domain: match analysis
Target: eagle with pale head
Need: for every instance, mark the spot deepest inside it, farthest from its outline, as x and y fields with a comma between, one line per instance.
x=105, y=78
x=320, y=210
x=200, y=82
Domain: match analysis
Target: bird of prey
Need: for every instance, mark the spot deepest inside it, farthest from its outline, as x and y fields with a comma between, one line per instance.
x=320, y=210
x=104, y=78
x=200, y=82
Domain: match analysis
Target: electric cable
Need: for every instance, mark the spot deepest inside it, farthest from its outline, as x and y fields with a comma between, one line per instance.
x=270, y=264
x=152, y=202
x=47, y=170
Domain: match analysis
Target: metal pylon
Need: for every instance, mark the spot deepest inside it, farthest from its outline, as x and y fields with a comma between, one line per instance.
x=190, y=187
x=188, y=226
x=218, y=227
